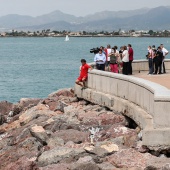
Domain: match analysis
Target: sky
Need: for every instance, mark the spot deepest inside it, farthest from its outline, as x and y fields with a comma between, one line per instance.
x=74, y=7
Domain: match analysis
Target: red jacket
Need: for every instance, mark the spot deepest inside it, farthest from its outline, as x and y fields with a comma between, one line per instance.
x=130, y=51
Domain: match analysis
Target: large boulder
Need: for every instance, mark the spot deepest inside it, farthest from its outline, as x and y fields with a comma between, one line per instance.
x=23, y=163
x=39, y=133
x=24, y=104
x=5, y=107
x=61, y=166
x=129, y=158
x=62, y=92
x=73, y=135
x=34, y=113
x=117, y=131
x=102, y=150
x=85, y=166
x=52, y=103
x=58, y=154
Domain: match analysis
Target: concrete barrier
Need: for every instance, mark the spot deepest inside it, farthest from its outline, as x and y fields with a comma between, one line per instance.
x=142, y=65
x=147, y=103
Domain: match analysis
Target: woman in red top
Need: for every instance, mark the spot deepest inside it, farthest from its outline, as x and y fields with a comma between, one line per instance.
x=83, y=73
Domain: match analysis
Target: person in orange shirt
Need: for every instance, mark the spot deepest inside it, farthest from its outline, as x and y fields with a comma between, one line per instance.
x=83, y=73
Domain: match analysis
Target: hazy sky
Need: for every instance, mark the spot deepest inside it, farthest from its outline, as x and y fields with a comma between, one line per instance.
x=75, y=7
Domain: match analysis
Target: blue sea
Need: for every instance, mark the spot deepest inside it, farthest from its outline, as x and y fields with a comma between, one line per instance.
x=35, y=67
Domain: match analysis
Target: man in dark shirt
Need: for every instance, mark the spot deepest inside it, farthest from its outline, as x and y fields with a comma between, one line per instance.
x=158, y=61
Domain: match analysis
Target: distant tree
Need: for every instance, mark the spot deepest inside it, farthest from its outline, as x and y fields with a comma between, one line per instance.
x=166, y=33
x=56, y=32
x=84, y=33
x=116, y=33
x=151, y=32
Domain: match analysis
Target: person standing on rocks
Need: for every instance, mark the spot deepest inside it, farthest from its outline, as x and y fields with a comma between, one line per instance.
x=83, y=73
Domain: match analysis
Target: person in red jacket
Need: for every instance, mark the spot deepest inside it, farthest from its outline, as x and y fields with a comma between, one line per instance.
x=83, y=73
x=130, y=51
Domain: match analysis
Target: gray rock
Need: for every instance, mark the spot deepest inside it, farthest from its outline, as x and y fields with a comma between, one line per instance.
x=73, y=99
x=23, y=135
x=55, y=141
x=30, y=144
x=86, y=159
x=84, y=166
x=166, y=167
x=5, y=107
x=56, y=167
x=39, y=133
x=62, y=92
x=23, y=163
x=2, y=119
x=34, y=113
x=61, y=106
x=106, y=166
x=73, y=135
x=102, y=150
x=57, y=154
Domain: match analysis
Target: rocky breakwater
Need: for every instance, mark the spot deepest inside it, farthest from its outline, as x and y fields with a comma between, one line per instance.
x=63, y=132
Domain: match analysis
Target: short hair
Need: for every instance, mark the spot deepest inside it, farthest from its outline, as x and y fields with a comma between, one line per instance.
x=83, y=61
x=129, y=45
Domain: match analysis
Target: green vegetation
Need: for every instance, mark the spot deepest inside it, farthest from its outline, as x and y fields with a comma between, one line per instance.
x=55, y=33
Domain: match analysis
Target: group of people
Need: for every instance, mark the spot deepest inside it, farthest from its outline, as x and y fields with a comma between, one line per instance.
x=156, y=59
x=121, y=61
x=108, y=59
x=115, y=60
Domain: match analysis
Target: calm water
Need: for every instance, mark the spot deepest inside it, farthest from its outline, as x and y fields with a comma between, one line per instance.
x=35, y=67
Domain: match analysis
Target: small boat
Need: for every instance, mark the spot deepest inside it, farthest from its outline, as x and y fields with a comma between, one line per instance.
x=67, y=38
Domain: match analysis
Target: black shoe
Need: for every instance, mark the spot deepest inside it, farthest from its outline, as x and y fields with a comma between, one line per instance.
x=160, y=73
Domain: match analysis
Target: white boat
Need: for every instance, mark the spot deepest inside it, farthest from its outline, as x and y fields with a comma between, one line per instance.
x=67, y=38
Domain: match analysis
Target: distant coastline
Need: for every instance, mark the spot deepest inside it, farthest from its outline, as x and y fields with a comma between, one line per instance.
x=87, y=36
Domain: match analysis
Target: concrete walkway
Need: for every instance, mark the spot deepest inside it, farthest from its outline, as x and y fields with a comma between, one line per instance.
x=162, y=79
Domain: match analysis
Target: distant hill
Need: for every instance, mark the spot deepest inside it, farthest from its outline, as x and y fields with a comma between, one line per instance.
x=145, y=18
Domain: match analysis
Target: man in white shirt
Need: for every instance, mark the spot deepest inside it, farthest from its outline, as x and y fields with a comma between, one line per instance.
x=125, y=59
x=165, y=53
x=100, y=59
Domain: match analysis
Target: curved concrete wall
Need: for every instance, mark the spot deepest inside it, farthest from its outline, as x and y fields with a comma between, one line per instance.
x=142, y=65
x=147, y=103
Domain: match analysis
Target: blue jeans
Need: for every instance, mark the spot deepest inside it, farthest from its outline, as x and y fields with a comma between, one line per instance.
x=150, y=61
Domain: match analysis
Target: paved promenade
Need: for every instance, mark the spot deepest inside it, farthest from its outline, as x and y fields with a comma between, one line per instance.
x=162, y=79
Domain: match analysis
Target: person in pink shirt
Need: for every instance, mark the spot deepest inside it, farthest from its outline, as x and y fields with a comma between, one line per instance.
x=150, y=59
